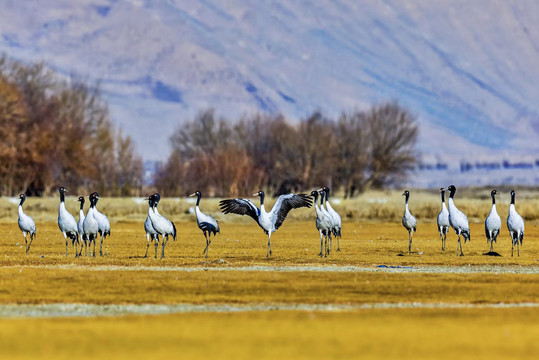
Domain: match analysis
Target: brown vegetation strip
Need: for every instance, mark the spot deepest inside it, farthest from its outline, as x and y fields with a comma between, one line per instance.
x=36, y=286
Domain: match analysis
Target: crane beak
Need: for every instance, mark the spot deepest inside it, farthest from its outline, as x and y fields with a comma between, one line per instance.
x=193, y=194
x=65, y=190
x=256, y=194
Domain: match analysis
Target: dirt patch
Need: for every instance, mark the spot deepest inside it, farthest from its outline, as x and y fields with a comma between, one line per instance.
x=89, y=310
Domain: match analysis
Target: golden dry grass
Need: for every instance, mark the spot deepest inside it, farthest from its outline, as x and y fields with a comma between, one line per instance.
x=124, y=277
x=296, y=243
x=369, y=334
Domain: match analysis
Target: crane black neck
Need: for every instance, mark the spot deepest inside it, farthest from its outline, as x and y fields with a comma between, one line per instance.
x=314, y=194
x=493, y=198
x=262, y=195
x=199, y=195
x=326, y=190
x=82, y=204
x=513, y=198
x=22, y=200
x=62, y=197
x=452, y=193
x=443, y=195
x=407, y=196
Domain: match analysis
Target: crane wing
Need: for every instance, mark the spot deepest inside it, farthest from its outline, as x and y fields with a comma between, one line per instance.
x=287, y=202
x=240, y=207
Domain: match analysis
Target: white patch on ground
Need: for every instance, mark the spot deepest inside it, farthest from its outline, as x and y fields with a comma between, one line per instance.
x=469, y=269
x=91, y=310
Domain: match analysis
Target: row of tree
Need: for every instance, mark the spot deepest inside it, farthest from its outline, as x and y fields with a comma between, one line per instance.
x=57, y=131
x=357, y=151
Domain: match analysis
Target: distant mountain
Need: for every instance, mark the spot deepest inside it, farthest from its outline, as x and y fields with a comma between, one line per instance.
x=468, y=70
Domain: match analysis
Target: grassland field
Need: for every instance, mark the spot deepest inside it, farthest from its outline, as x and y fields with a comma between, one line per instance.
x=371, y=300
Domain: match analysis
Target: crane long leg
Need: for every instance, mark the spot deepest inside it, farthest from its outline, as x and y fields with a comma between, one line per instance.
x=321, y=243
x=410, y=242
x=25, y=242
x=268, y=253
x=93, y=253
x=326, y=242
x=75, y=245
x=441, y=230
x=207, y=244
x=338, y=237
x=101, y=247
x=30, y=244
x=147, y=244
x=165, y=239
x=156, y=240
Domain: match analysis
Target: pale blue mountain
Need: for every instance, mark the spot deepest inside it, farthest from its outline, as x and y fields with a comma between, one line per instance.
x=467, y=69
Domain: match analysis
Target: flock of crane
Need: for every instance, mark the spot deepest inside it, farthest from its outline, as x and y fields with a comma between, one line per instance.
x=96, y=225
x=459, y=222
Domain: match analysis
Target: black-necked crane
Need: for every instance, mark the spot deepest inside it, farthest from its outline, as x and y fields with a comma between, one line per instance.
x=493, y=223
x=515, y=224
x=323, y=224
x=268, y=221
x=67, y=223
x=457, y=220
x=103, y=223
x=90, y=227
x=26, y=224
x=161, y=224
x=80, y=226
x=409, y=221
x=337, y=224
x=443, y=220
x=151, y=234
x=323, y=210
x=206, y=223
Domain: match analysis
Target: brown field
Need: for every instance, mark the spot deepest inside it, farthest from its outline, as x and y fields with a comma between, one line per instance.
x=454, y=300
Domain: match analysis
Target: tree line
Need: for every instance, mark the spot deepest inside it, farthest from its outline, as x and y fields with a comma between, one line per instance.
x=357, y=151
x=57, y=131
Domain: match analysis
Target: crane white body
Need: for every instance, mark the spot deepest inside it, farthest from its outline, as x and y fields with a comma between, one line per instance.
x=323, y=224
x=457, y=220
x=268, y=221
x=90, y=227
x=161, y=224
x=515, y=225
x=493, y=223
x=335, y=218
x=67, y=223
x=409, y=221
x=206, y=223
x=26, y=224
x=443, y=221
x=151, y=234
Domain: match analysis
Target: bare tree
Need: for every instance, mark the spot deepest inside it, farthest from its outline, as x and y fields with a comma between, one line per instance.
x=392, y=134
x=57, y=131
x=351, y=152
